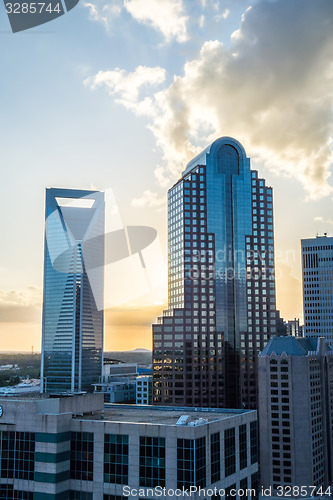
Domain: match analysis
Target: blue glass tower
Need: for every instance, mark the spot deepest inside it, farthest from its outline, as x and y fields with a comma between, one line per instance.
x=221, y=283
x=72, y=341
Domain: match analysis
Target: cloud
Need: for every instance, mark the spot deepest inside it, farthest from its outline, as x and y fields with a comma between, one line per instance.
x=166, y=16
x=23, y=306
x=104, y=12
x=129, y=86
x=322, y=220
x=272, y=89
x=149, y=199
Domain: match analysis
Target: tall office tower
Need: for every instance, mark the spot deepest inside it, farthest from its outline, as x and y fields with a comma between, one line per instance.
x=317, y=264
x=296, y=413
x=221, y=283
x=294, y=328
x=72, y=342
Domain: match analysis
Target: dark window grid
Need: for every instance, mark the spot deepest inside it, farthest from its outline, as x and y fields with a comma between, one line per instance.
x=243, y=486
x=116, y=458
x=254, y=442
x=7, y=492
x=215, y=452
x=255, y=485
x=228, y=490
x=229, y=452
x=242, y=447
x=82, y=456
x=200, y=462
x=17, y=454
x=152, y=461
x=80, y=495
x=185, y=463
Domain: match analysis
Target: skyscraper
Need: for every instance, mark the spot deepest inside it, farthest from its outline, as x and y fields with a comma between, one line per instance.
x=221, y=283
x=72, y=341
x=296, y=414
x=317, y=264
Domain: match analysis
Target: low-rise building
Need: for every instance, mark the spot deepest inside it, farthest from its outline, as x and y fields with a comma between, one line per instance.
x=118, y=382
x=144, y=390
x=66, y=448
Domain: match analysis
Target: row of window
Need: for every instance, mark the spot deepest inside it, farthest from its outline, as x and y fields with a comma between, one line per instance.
x=191, y=457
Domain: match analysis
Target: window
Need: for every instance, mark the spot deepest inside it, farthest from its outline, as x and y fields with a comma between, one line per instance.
x=82, y=455
x=229, y=452
x=7, y=492
x=17, y=455
x=215, y=457
x=80, y=495
x=191, y=463
x=200, y=462
x=242, y=447
x=152, y=461
x=228, y=491
x=254, y=442
x=243, y=487
x=255, y=485
x=116, y=458
x=185, y=463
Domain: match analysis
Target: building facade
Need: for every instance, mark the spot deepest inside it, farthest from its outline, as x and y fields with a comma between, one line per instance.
x=118, y=382
x=144, y=390
x=221, y=283
x=294, y=328
x=72, y=338
x=72, y=448
x=317, y=266
x=296, y=413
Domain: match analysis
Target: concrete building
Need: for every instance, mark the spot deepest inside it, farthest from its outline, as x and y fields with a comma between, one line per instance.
x=317, y=265
x=72, y=448
x=118, y=382
x=221, y=282
x=72, y=338
x=119, y=390
x=118, y=369
x=144, y=390
x=296, y=413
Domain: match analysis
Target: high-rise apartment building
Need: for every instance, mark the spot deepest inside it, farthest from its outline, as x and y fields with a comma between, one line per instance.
x=296, y=414
x=221, y=283
x=317, y=264
x=72, y=340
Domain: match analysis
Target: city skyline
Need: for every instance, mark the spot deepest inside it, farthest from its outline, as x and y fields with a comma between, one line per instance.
x=168, y=90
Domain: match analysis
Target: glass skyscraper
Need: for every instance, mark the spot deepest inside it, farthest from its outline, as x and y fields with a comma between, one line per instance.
x=221, y=283
x=72, y=341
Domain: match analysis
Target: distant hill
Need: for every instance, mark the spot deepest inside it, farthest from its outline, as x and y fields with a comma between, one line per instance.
x=29, y=364
x=142, y=357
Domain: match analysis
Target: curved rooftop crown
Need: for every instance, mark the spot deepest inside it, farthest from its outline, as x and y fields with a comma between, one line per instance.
x=213, y=149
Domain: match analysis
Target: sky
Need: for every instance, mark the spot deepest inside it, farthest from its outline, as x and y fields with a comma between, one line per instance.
x=121, y=94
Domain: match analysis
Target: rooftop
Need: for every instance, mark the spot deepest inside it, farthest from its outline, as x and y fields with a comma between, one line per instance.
x=29, y=396
x=293, y=346
x=160, y=415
